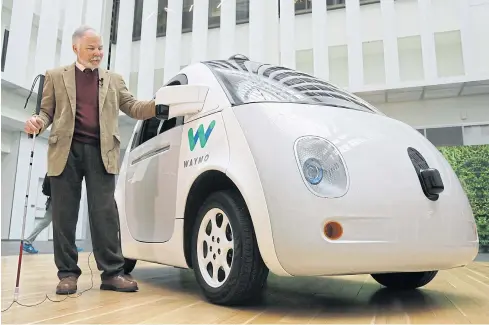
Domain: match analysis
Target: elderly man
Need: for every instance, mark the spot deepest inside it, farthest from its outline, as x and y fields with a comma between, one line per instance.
x=82, y=102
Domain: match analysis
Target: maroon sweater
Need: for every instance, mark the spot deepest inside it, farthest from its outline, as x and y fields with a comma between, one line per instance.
x=87, y=128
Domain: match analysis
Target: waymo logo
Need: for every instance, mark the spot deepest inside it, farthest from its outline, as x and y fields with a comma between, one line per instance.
x=195, y=161
x=201, y=135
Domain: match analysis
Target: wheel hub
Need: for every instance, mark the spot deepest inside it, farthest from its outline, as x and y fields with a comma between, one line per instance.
x=215, y=247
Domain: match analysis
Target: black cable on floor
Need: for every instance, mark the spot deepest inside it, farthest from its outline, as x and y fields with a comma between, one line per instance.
x=52, y=300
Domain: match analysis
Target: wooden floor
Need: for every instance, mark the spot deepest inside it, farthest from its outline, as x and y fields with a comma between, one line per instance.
x=169, y=295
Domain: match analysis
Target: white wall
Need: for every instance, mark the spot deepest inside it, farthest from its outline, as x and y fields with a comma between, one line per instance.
x=94, y=15
x=440, y=112
x=454, y=35
x=38, y=171
x=10, y=150
x=16, y=149
x=456, y=30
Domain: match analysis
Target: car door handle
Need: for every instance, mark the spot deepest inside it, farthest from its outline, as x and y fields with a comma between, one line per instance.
x=150, y=154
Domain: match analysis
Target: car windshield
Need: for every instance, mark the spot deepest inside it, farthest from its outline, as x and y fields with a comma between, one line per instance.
x=251, y=82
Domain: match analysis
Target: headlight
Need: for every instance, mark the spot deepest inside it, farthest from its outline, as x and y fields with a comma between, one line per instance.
x=322, y=167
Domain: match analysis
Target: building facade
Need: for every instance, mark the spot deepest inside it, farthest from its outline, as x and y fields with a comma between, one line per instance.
x=423, y=62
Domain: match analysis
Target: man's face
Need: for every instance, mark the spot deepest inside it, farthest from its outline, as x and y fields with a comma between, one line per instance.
x=89, y=50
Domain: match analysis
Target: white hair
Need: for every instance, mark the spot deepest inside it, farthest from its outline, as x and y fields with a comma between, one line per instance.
x=80, y=32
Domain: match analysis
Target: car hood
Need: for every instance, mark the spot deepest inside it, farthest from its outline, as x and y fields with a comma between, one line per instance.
x=374, y=148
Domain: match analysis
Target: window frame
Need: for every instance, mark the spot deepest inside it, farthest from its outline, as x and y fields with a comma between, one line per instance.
x=6, y=34
x=144, y=129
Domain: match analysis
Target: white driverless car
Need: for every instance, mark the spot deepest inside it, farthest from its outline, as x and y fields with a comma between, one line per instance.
x=251, y=168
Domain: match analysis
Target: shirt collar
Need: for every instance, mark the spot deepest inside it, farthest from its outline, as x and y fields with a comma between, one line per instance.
x=81, y=66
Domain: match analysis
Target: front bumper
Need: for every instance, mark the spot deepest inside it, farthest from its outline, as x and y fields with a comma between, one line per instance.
x=370, y=245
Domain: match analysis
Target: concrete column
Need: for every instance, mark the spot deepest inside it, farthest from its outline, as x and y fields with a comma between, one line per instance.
x=200, y=23
x=105, y=33
x=93, y=13
x=467, y=40
x=257, y=32
x=173, y=39
x=391, y=55
x=272, y=32
x=72, y=20
x=19, y=42
x=427, y=41
x=320, y=39
x=47, y=36
x=263, y=31
x=287, y=34
x=355, y=49
x=147, y=50
x=123, y=51
x=227, y=29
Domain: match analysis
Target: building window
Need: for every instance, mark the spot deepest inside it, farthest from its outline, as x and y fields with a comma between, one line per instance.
x=336, y=4
x=476, y=134
x=187, y=15
x=445, y=136
x=138, y=19
x=242, y=11
x=4, y=47
x=162, y=18
x=115, y=21
x=303, y=6
x=214, y=13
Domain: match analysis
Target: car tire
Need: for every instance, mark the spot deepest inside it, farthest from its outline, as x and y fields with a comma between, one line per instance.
x=129, y=265
x=405, y=281
x=246, y=274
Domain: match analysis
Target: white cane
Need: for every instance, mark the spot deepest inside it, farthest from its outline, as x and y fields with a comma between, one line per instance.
x=21, y=248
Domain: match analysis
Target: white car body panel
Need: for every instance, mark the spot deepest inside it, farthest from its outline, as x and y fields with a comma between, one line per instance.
x=171, y=249
x=242, y=171
x=389, y=225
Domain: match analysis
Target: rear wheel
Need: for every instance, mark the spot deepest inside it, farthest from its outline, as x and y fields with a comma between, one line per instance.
x=405, y=281
x=225, y=256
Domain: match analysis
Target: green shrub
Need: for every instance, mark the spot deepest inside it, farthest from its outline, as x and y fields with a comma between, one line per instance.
x=471, y=164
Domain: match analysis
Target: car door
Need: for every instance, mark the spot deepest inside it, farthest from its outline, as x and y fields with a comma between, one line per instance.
x=151, y=180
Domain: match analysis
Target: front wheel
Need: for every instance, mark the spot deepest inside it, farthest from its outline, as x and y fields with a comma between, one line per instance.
x=225, y=256
x=405, y=281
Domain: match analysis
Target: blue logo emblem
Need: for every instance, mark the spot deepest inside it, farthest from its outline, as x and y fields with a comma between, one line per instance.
x=201, y=135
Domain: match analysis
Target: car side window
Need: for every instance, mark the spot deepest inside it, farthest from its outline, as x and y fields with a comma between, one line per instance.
x=149, y=129
x=153, y=126
x=170, y=124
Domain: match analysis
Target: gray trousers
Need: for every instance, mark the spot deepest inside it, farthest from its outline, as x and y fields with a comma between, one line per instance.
x=85, y=162
x=48, y=217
